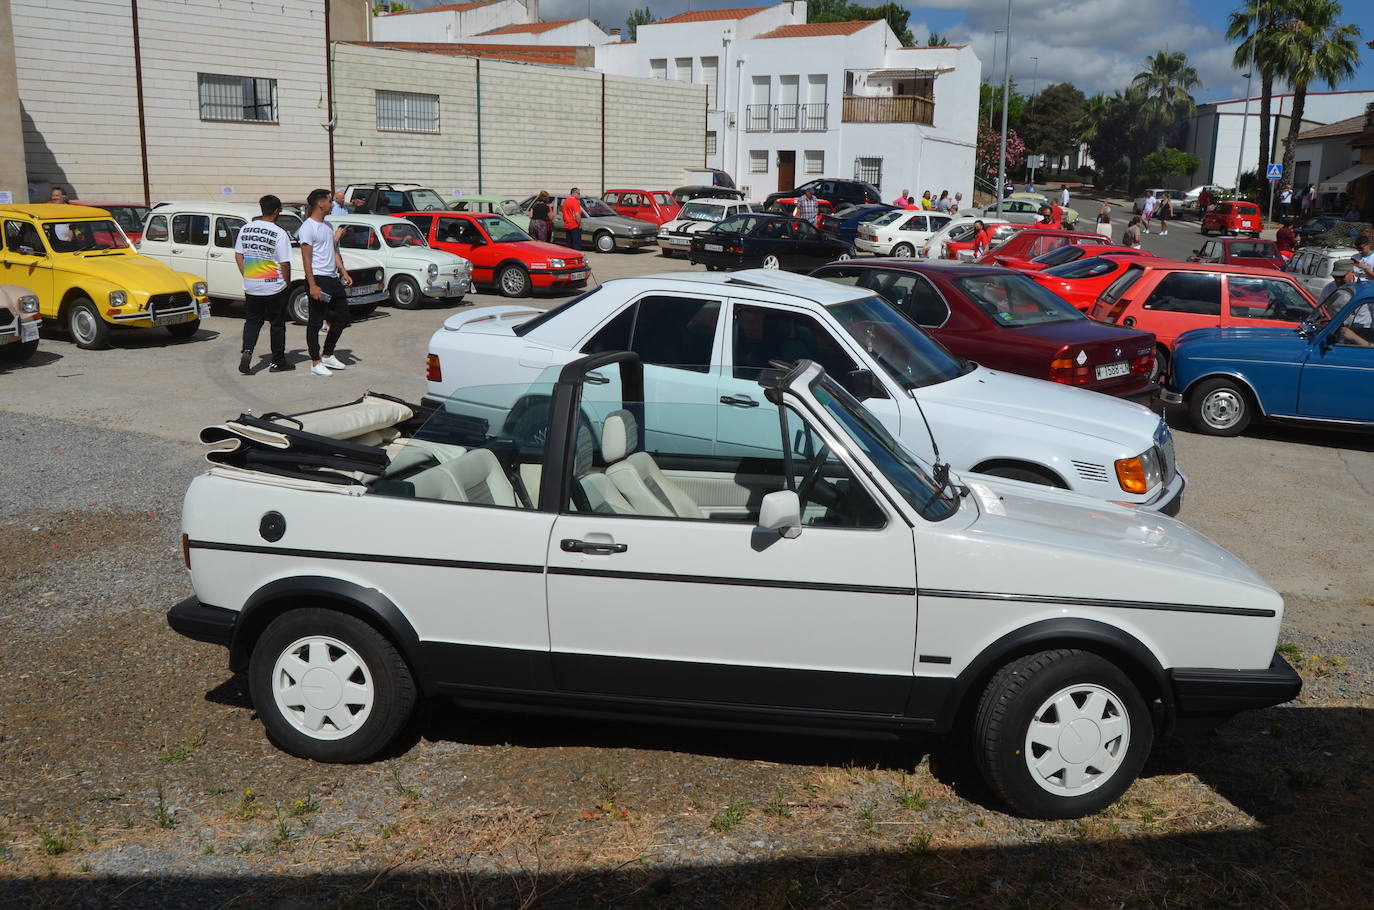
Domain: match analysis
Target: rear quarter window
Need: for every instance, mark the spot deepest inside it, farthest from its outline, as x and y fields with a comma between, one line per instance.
x=1194, y=293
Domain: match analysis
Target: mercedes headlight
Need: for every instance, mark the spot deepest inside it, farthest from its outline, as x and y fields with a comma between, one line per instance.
x=1141, y=473
x=118, y=298
x=432, y=270
x=28, y=304
x=557, y=263
x=200, y=289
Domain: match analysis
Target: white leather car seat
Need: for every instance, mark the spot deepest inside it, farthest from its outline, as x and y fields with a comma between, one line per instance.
x=637, y=476
x=475, y=477
x=598, y=492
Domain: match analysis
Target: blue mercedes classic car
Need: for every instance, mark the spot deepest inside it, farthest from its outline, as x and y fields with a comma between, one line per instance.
x=1323, y=372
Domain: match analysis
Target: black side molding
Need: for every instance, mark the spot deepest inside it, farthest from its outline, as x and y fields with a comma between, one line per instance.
x=1209, y=691
x=203, y=622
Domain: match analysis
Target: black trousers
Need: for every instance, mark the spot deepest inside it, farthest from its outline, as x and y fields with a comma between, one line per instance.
x=335, y=311
x=269, y=308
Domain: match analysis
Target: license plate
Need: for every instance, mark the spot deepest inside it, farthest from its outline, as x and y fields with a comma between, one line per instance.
x=1245, y=224
x=28, y=330
x=204, y=310
x=1108, y=370
x=712, y=247
x=173, y=318
x=359, y=290
x=576, y=276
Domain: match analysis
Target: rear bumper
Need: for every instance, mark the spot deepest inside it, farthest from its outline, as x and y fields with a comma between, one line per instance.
x=202, y=622
x=1200, y=691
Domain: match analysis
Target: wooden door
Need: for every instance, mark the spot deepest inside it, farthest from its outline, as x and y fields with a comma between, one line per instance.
x=787, y=171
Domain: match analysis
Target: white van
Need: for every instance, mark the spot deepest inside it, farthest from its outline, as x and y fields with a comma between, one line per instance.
x=1311, y=265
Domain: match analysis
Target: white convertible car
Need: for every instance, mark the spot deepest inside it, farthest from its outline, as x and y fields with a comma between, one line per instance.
x=535, y=548
x=705, y=337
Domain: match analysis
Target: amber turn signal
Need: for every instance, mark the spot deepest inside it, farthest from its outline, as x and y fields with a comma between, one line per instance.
x=1131, y=473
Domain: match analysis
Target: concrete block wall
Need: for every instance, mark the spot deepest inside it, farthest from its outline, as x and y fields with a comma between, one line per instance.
x=541, y=125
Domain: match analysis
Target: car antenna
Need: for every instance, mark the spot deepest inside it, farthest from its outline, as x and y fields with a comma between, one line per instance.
x=940, y=468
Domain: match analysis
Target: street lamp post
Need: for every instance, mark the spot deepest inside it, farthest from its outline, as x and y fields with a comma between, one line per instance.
x=1035, y=82
x=993, y=81
x=1006, y=95
x=1244, y=126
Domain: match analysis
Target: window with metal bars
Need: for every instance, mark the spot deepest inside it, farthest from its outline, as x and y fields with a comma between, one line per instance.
x=869, y=170
x=710, y=142
x=813, y=162
x=237, y=98
x=407, y=112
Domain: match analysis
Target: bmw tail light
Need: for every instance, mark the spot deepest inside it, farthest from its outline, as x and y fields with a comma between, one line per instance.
x=1064, y=370
x=433, y=372
x=1143, y=365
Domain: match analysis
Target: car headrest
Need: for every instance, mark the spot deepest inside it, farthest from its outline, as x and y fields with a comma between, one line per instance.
x=619, y=436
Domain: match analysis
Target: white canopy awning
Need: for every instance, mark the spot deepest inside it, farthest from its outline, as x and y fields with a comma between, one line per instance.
x=1341, y=182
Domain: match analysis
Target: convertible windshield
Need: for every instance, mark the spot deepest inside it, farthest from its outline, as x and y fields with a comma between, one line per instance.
x=402, y=233
x=909, y=355
x=596, y=208
x=703, y=212
x=1016, y=301
x=902, y=469
x=82, y=236
x=426, y=201
x=502, y=231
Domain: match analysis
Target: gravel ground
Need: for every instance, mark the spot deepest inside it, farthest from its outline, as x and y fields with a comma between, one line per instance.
x=134, y=773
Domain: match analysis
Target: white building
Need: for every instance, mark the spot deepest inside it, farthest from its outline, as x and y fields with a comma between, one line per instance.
x=451, y=23
x=562, y=33
x=1217, y=129
x=790, y=101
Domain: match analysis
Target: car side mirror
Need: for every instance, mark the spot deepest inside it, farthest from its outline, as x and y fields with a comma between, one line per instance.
x=862, y=384
x=27, y=251
x=781, y=511
x=1307, y=328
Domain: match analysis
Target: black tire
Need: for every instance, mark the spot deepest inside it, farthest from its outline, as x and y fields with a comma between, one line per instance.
x=1103, y=748
x=184, y=329
x=904, y=251
x=1220, y=407
x=87, y=328
x=604, y=241
x=298, y=305
x=666, y=253
x=1161, y=363
x=405, y=293
x=363, y=311
x=1024, y=473
x=18, y=352
x=513, y=281
x=381, y=669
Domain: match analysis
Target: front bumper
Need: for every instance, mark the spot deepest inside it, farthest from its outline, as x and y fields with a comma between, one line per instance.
x=633, y=243
x=370, y=297
x=1202, y=691
x=674, y=242
x=202, y=622
x=1168, y=501
x=447, y=289
x=559, y=278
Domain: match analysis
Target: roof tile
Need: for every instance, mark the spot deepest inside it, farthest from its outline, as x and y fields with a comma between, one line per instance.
x=444, y=8
x=820, y=29
x=528, y=28
x=712, y=15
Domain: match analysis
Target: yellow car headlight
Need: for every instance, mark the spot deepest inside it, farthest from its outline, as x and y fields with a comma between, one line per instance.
x=118, y=298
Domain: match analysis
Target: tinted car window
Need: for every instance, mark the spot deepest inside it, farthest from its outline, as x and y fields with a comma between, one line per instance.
x=191, y=229
x=423, y=222
x=227, y=231
x=1088, y=267
x=1015, y=300
x=664, y=331
x=764, y=334
x=1255, y=249
x=1121, y=285
x=908, y=291
x=1060, y=256
x=157, y=228
x=1266, y=298
x=1187, y=292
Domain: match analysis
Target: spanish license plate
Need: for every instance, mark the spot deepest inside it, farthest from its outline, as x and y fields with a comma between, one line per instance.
x=1109, y=370
x=576, y=276
x=1245, y=222
x=173, y=318
x=204, y=311
x=712, y=247
x=359, y=290
x=28, y=330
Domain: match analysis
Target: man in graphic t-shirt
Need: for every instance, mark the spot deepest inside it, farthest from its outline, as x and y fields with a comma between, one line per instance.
x=328, y=282
x=263, y=252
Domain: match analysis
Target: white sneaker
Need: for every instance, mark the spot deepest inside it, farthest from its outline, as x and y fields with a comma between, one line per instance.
x=334, y=363
x=1164, y=233
x=320, y=369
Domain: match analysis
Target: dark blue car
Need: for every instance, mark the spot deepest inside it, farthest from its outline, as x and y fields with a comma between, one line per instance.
x=1322, y=372
x=844, y=224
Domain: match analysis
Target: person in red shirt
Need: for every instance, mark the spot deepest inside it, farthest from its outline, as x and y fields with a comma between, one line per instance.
x=1051, y=220
x=571, y=212
x=981, y=239
x=1058, y=214
x=1287, y=238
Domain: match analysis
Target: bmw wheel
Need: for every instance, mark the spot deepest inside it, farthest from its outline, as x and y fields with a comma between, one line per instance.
x=329, y=687
x=1219, y=407
x=513, y=281
x=771, y=262
x=1061, y=734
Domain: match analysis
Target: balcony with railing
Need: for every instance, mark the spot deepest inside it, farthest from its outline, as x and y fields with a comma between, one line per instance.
x=758, y=118
x=792, y=118
x=888, y=109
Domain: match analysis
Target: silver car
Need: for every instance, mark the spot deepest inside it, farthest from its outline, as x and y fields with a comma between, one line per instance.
x=608, y=230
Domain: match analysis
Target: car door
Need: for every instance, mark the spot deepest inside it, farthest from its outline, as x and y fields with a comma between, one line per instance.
x=463, y=237
x=1210, y=252
x=221, y=266
x=1339, y=374
x=157, y=239
x=706, y=608
x=809, y=246
x=677, y=338
x=190, y=243
x=1180, y=302
x=761, y=333
x=27, y=264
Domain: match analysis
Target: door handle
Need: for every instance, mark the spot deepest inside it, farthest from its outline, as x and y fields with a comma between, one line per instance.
x=216, y=255
x=573, y=545
x=738, y=401
x=177, y=249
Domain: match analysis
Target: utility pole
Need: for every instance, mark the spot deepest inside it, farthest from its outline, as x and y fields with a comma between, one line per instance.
x=1035, y=81
x=992, y=83
x=1006, y=94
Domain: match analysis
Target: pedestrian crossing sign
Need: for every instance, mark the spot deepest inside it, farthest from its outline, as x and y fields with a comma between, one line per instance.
x=1275, y=172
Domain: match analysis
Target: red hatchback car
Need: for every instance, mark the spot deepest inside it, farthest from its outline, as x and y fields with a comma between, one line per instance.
x=1169, y=298
x=1005, y=320
x=1082, y=281
x=1020, y=248
x=1233, y=218
x=657, y=206
x=1262, y=254
x=503, y=257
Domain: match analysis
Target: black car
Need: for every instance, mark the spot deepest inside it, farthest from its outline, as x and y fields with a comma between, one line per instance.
x=766, y=241
x=837, y=192
x=1317, y=224
x=843, y=224
x=684, y=193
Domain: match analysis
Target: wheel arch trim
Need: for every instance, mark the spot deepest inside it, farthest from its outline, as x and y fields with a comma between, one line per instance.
x=1229, y=374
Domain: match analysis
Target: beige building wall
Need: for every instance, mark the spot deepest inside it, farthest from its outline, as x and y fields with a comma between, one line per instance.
x=13, y=174
x=81, y=110
x=541, y=125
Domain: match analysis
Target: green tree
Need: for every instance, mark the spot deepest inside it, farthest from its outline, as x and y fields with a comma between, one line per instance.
x=389, y=6
x=1114, y=133
x=1050, y=123
x=1316, y=48
x=1254, y=26
x=1165, y=88
x=844, y=11
x=935, y=39
x=1163, y=163
x=637, y=18
x=990, y=103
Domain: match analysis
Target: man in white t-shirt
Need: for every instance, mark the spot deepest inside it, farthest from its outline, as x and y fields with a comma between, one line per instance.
x=328, y=282
x=1147, y=211
x=1064, y=197
x=1285, y=202
x=263, y=252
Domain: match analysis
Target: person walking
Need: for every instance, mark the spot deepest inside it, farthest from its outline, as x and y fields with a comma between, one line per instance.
x=1147, y=211
x=541, y=217
x=571, y=214
x=1064, y=196
x=807, y=206
x=1309, y=199
x=1104, y=220
x=328, y=282
x=263, y=253
x=1164, y=212
x=1131, y=236
x=1204, y=202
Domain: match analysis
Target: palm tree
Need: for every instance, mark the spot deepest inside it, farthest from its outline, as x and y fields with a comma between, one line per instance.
x=1254, y=26
x=1165, y=90
x=1316, y=48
